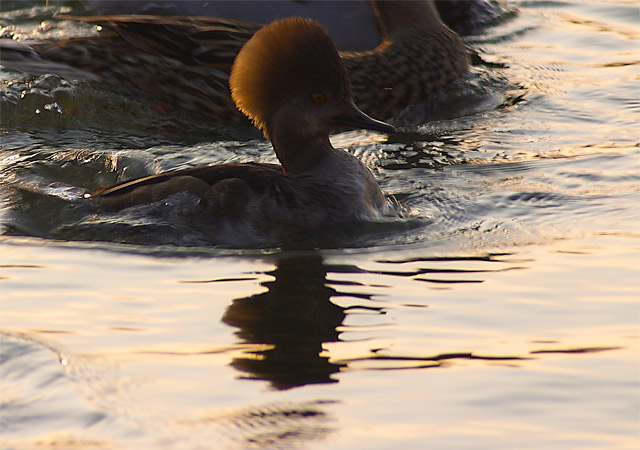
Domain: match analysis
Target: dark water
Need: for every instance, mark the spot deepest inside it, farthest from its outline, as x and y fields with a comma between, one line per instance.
x=501, y=313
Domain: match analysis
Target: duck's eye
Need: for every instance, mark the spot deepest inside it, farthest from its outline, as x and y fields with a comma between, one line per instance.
x=318, y=98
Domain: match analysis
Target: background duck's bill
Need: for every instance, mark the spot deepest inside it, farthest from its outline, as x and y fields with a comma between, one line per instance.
x=357, y=119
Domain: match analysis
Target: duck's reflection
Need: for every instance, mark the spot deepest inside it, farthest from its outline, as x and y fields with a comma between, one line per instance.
x=292, y=318
x=287, y=325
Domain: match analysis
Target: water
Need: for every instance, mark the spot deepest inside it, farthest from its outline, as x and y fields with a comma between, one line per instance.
x=502, y=314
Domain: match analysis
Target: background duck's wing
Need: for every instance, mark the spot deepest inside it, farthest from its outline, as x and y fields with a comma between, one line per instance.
x=192, y=40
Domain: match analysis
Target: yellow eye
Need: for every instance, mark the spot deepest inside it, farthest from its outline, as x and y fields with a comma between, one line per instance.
x=318, y=98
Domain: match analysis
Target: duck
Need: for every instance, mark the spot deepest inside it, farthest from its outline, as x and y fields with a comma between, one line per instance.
x=290, y=81
x=185, y=62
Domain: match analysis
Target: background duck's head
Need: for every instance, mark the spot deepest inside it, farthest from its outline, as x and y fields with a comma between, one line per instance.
x=290, y=76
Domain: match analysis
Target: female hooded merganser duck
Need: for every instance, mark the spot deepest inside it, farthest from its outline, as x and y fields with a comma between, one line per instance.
x=290, y=81
x=185, y=62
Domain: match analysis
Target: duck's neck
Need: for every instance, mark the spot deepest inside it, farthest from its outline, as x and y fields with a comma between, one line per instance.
x=300, y=154
x=404, y=17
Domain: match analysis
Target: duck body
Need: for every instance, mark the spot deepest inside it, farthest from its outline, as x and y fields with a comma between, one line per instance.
x=258, y=203
x=291, y=83
x=185, y=62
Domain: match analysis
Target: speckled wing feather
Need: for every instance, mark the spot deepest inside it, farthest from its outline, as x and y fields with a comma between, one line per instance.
x=406, y=71
x=207, y=41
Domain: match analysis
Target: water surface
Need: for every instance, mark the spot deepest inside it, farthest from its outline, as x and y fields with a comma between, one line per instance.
x=502, y=313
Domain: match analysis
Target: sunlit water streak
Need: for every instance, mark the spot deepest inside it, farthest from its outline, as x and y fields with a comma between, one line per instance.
x=502, y=310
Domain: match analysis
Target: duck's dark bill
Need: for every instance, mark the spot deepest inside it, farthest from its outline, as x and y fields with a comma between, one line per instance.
x=357, y=119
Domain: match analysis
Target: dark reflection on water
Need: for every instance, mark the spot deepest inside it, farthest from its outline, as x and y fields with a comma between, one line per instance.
x=297, y=315
x=293, y=317
x=288, y=425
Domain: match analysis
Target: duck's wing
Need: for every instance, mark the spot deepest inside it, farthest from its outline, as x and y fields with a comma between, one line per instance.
x=253, y=173
x=197, y=180
x=201, y=41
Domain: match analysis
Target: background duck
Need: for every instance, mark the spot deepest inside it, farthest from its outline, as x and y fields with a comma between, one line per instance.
x=289, y=80
x=352, y=24
x=185, y=61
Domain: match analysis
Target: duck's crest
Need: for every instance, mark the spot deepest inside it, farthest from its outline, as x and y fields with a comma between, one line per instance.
x=283, y=59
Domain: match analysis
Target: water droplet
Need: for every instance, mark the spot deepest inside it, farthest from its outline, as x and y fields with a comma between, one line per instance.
x=53, y=106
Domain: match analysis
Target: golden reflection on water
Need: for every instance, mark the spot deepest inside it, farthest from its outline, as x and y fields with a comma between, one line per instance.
x=170, y=344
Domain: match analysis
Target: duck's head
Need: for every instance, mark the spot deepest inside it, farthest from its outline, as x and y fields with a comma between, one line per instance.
x=289, y=78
